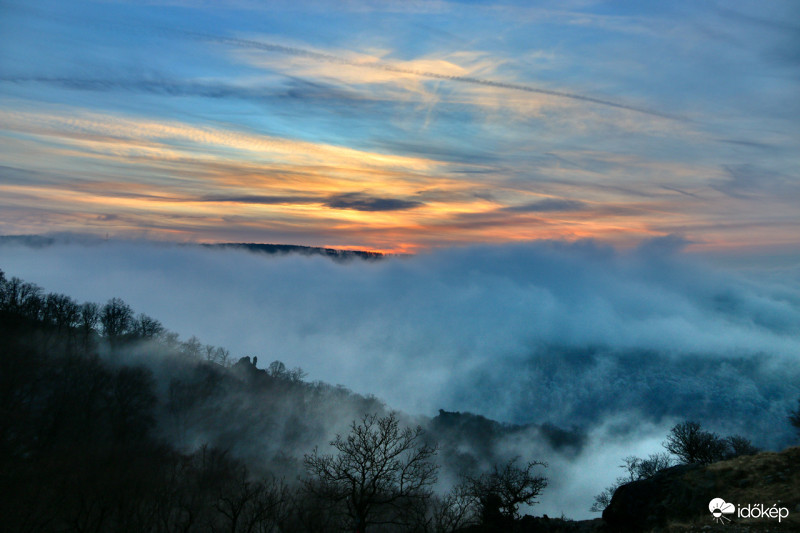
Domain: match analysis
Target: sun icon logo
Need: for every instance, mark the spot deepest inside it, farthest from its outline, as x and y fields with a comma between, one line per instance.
x=719, y=508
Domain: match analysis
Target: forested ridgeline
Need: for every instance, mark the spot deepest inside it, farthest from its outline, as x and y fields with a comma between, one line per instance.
x=109, y=423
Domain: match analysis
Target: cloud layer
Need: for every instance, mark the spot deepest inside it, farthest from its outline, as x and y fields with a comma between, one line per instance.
x=619, y=344
x=538, y=332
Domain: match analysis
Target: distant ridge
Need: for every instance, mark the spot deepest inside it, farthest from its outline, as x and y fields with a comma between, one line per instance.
x=285, y=249
x=41, y=241
x=33, y=241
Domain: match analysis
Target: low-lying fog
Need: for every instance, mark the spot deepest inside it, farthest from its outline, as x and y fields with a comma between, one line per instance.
x=619, y=344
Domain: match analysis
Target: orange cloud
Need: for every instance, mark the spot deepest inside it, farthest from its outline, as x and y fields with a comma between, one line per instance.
x=132, y=175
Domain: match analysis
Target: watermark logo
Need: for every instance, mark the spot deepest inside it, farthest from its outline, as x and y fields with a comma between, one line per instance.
x=719, y=508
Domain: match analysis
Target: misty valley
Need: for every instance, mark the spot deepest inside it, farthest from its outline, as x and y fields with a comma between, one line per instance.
x=111, y=422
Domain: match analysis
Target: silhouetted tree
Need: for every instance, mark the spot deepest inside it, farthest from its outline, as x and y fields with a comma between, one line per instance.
x=690, y=444
x=116, y=318
x=22, y=298
x=61, y=312
x=90, y=316
x=247, y=505
x=501, y=491
x=278, y=370
x=455, y=510
x=192, y=348
x=645, y=468
x=146, y=327
x=218, y=355
x=378, y=470
x=694, y=445
x=637, y=469
x=738, y=445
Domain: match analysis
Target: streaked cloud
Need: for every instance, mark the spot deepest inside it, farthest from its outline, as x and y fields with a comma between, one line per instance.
x=362, y=202
x=547, y=205
x=424, y=70
x=746, y=180
x=398, y=129
x=351, y=200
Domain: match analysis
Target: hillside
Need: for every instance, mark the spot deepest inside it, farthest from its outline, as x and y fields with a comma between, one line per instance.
x=336, y=254
x=677, y=499
x=284, y=249
x=107, y=418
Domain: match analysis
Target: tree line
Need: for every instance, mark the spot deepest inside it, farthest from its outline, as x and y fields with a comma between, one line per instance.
x=686, y=443
x=81, y=447
x=88, y=440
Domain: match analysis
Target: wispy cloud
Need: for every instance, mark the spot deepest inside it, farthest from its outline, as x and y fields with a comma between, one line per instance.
x=160, y=85
x=402, y=128
x=322, y=194
x=261, y=199
x=455, y=78
x=547, y=205
x=159, y=133
x=363, y=202
x=351, y=200
x=747, y=180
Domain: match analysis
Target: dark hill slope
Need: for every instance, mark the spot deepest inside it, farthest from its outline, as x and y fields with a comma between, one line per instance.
x=285, y=249
x=677, y=499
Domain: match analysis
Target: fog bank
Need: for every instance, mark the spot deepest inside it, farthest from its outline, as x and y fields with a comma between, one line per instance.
x=620, y=344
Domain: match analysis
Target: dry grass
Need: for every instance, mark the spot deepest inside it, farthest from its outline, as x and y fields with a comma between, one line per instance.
x=766, y=478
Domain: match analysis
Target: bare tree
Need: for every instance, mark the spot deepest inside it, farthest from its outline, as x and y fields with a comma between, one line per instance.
x=278, y=370
x=116, y=318
x=61, y=311
x=501, y=491
x=694, y=445
x=645, y=468
x=455, y=510
x=218, y=355
x=603, y=500
x=378, y=470
x=739, y=445
x=23, y=298
x=147, y=327
x=90, y=315
x=637, y=469
x=192, y=348
x=249, y=505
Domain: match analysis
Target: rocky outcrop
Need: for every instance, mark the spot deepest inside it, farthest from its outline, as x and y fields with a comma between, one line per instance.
x=677, y=498
x=246, y=369
x=645, y=504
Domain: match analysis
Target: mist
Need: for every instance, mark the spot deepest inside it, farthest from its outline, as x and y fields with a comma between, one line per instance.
x=617, y=344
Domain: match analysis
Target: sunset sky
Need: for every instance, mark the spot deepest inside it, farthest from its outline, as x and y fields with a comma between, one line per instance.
x=402, y=125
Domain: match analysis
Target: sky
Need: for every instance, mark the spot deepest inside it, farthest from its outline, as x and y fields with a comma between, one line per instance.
x=402, y=126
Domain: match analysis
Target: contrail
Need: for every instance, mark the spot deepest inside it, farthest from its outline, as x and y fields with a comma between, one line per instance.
x=329, y=58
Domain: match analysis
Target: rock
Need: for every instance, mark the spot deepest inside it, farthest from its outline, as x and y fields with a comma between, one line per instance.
x=677, y=498
x=645, y=504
